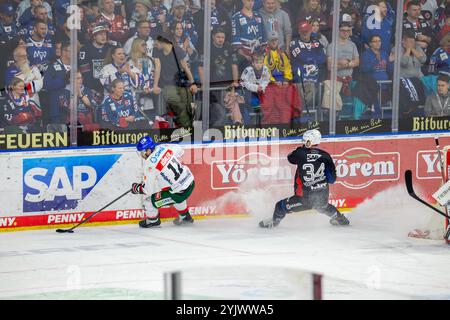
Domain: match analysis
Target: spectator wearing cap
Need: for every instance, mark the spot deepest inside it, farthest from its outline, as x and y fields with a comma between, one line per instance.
x=412, y=57
x=412, y=22
x=118, y=27
x=141, y=12
x=143, y=33
x=281, y=103
x=179, y=13
x=277, y=20
x=438, y=103
x=92, y=55
x=8, y=27
x=307, y=59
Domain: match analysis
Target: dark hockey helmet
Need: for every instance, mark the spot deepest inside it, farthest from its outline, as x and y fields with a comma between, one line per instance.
x=146, y=143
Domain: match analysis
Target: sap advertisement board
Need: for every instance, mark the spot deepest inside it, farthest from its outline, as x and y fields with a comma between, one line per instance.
x=54, y=188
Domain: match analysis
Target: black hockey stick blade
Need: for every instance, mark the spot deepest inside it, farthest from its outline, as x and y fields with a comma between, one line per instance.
x=64, y=230
x=410, y=188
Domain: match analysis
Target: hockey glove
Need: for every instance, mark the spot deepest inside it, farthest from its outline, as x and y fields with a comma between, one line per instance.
x=137, y=188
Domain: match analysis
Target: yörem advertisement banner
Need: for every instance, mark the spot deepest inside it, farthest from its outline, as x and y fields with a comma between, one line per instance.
x=62, y=187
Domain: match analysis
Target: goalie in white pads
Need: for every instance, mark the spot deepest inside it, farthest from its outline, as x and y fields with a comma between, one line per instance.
x=315, y=171
x=166, y=182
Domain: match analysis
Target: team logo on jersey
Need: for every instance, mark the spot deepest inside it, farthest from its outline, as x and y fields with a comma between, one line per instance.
x=358, y=168
x=242, y=21
x=164, y=159
x=60, y=183
x=311, y=157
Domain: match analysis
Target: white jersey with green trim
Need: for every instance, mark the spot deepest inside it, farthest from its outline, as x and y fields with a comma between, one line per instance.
x=163, y=168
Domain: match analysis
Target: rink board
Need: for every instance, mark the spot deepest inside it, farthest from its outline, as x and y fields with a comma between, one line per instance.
x=44, y=189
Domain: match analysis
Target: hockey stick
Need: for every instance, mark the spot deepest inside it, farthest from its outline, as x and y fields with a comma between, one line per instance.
x=93, y=214
x=436, y=139
x=409, y=187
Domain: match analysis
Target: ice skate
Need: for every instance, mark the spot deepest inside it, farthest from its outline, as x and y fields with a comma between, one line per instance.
x=150, y=223
x=183, y=220
x=269, y=223
x=339, y=220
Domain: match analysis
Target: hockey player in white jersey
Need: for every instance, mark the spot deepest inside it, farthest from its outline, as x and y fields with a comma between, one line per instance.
x=166, y=182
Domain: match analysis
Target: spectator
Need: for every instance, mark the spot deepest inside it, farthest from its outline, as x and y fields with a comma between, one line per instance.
x=174, y=79
x=281, y=103
x=116, y=66
x=92, y=56
x=29, y=74
x=180, y=14
x=118, y=26
x=442, y=22
x=423, y=34
x=348, y=57
x=26, y=4
x=379, y=24
x=438, y=103
x=312, y=10
x=159, y=14
x=375, y=61
x=440, y=60
x=412, y=57
x=223, y=72
x=18, y=113
x=184, y=42
x=248, y=35
x=230, y=6
x=40, y=48
x=308, y=59
x=40, y=12
x=255, y=80
x=141, y=12
x=8, y=27
x=316, y=34
x=219, y=19
x=277, y=20
x=120, y=108
x=86, y=106
x=141, y=61
x=142, y=32
x=28, y=14
x=55, y=80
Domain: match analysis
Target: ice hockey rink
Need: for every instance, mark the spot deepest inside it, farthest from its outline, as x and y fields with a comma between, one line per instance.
x=231, y=258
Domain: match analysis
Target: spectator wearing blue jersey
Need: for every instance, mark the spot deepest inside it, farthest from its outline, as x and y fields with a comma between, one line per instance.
x=375, y=61
x=55, y=80
x=40, y=49
x=40, y=13
x=8, y=27
x=248, y=34
x=119, y=107
x=440, y=60
x=379, y=23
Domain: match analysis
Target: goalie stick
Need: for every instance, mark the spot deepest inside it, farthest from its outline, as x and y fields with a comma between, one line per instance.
x=410, y=188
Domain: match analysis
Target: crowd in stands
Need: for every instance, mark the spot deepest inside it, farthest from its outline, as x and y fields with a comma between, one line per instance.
x=270, y=61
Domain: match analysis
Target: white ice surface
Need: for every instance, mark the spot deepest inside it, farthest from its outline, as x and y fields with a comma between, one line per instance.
x=232, y=258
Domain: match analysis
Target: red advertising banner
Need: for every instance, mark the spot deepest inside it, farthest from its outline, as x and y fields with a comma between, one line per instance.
x=226, y=174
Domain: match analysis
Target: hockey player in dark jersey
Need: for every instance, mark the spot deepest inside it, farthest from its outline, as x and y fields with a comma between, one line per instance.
x=315, y=171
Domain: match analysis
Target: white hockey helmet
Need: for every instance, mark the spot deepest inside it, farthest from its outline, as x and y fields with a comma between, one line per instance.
x=312, y=137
